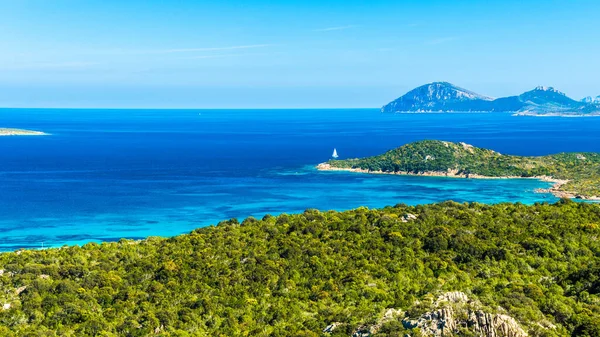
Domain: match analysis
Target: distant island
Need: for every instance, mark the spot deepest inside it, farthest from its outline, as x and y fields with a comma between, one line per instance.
x=20, y=132
x=575, y=175
x=446, y=97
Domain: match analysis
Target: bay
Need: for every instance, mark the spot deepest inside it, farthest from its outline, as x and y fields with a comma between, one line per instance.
x=107, y=174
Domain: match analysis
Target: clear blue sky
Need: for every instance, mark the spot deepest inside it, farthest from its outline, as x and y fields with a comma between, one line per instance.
x=297, y=54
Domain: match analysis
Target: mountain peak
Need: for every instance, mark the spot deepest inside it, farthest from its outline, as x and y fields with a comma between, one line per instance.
x=591, y=100
x=441, y=83
x=447, y=97
x=448, y=91
x=438, y=96
x=548, y=89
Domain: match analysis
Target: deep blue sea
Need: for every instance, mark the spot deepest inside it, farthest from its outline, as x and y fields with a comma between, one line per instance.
x=107, y=174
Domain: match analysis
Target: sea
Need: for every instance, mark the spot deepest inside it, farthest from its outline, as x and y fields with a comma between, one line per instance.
x=103, y=175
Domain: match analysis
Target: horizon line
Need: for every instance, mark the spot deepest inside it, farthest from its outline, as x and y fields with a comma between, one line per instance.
x=142, y=108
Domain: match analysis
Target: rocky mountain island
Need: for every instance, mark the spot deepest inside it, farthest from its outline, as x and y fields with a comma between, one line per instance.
x=576, y=175
x=446, y=97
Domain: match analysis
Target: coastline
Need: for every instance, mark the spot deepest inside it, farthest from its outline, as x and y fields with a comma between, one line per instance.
x=512, y=113
x=554, y=114
x=21, y=132
x=555, y=189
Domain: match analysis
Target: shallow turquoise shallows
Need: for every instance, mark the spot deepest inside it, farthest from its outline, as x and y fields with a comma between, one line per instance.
x=107, y=174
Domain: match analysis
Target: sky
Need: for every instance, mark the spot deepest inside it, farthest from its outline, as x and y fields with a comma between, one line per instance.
x=288, y=54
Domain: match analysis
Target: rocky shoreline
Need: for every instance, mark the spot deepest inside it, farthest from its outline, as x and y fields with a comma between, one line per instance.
x=555, y=189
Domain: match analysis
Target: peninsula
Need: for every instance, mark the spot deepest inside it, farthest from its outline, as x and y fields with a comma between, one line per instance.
x=575, y=175
x=20, y=132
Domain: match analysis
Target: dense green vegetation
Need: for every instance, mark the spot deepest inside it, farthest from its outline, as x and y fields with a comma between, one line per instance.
x=581, y=169
x=292, y=275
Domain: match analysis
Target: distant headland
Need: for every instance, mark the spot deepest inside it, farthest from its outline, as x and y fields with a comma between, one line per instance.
x=575, y=175
x=446, y=97
x=20, y=132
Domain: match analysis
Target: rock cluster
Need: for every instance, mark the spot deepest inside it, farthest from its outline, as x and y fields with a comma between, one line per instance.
x=408, y=217
x=452, y=297
x=454, y=310
x=490, y=325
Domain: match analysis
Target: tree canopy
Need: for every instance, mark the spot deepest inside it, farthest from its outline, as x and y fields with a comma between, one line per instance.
x=293, y=275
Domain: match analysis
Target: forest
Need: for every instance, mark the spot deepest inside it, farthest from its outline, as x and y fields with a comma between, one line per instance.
x=296, y=275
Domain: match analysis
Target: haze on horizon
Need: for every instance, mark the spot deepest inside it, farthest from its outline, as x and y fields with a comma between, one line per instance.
x=292, y=54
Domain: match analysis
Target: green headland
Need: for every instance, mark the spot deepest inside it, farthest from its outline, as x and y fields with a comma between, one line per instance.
x=575, y=175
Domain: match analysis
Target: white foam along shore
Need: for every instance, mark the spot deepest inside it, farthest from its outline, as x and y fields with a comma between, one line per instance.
x=556, y=114
x=554, y=189
x=21, y=132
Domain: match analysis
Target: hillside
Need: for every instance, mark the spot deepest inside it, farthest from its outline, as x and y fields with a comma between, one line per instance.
x=446, y=97
x=485, y=270
x=576, y=174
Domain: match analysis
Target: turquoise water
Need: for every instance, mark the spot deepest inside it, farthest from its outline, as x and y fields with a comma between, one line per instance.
x=108, y=174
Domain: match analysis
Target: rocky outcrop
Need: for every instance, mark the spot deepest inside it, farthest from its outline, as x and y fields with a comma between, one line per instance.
x=408, y=217
x=451, y=312
x=436, y=323
x=454, y=310
x=452, y=297
x=490, y=325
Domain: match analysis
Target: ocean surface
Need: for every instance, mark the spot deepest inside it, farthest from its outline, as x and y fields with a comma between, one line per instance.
x=108, y=174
